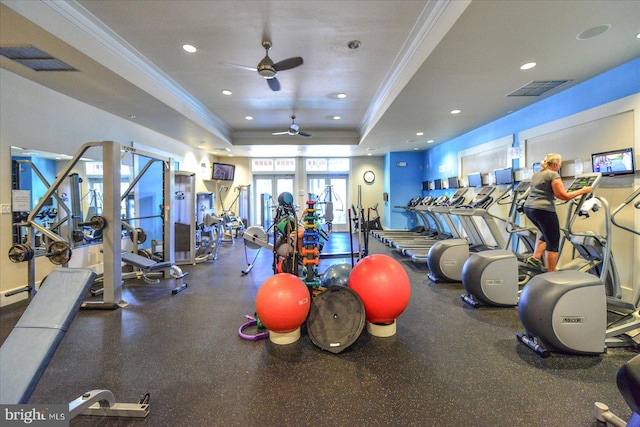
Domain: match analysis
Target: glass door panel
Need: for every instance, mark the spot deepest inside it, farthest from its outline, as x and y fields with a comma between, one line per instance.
x=267, y=189
x=331, y=188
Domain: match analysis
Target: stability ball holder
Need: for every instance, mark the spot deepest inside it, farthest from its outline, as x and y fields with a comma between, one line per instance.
x=282, y=305
x=384, y=288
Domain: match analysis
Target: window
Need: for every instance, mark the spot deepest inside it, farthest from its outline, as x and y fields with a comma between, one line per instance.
x=273, y=165
x=328, y=165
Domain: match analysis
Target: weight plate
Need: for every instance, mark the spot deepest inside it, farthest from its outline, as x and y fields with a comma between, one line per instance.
x=98, y=222
x=18, y=253
x=59, y=253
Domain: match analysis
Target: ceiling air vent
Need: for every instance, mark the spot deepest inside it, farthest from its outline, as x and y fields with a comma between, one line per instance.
x=537, y=88
x=35, y=59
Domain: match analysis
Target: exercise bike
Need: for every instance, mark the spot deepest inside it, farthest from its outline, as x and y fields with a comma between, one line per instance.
x=566, y=311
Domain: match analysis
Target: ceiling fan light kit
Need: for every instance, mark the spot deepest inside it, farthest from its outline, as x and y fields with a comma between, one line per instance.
x=268, y=69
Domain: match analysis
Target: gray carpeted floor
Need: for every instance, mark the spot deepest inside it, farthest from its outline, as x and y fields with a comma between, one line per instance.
x=447, y=365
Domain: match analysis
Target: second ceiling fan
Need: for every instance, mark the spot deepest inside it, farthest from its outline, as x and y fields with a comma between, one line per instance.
x=294, y=129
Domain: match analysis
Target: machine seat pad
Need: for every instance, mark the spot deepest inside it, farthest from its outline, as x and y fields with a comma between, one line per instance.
x=143, y=262
x=31, y=344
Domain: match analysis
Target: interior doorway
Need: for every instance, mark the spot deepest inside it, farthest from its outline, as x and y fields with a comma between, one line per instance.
x=267, y=189
x=331, y=188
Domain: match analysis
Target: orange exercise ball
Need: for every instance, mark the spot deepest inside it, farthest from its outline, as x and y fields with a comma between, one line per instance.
x=282, y=303
x=383, y=286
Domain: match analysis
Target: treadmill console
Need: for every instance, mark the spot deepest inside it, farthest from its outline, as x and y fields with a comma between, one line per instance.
x=458, y=196
x=483, y=196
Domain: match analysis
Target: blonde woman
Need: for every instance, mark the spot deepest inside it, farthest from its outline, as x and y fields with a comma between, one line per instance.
x=540, y=208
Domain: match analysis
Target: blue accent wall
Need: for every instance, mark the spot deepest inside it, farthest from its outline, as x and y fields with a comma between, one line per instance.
x=402, y=183
x=614, y=84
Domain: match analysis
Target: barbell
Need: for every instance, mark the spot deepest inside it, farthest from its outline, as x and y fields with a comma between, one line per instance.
x=96, y=222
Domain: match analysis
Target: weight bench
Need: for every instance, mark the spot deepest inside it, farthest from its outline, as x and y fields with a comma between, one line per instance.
x=26, y=352
x=628, y=381
x=147, y=265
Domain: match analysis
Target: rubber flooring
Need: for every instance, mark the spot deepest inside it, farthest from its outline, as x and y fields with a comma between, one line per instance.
x=447, y=365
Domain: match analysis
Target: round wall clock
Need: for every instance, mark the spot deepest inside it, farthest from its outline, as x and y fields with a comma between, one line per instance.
x=369, y=177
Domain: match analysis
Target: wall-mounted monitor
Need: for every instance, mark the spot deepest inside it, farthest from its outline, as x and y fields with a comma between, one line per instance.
x=536, y=167
x=453, y=182
x=504, y=176
x=425, y=185
x=474, y=179
x=437, y=184
x=614, y=162
x=223, y=171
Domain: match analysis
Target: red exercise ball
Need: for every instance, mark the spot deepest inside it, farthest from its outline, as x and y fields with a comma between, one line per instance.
x=383, y=286
x=282, y=303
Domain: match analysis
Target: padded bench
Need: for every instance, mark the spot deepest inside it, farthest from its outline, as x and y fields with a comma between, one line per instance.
x=31, y=344
x=26, y=352
x=147, y=265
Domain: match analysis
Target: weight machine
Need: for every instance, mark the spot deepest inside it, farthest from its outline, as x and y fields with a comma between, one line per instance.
x=234, y=225
x=110, y=223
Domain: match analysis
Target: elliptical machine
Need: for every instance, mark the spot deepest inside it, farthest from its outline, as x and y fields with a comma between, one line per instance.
x=567, y=311
x=496, y=277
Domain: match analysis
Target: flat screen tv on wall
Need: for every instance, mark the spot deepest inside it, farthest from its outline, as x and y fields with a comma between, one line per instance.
x=223, y=171
x=614, y=162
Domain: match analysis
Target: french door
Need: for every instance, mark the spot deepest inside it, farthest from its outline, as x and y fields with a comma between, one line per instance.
x=267, y=189
x=333, y=189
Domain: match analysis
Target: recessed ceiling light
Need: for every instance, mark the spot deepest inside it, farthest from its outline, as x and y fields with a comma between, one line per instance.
x=336, y=117
x=189, y=48
x=132, y=116
x=528, y=66
x=419, y=133
x=230, y=155
x=342, y=95
x=248, y=117
x=227, y=92
x=353, y=44
x=638, y=36
x=430, y=141
x=416, y=148
x=369, y=154
x=455, y=111
x=200, y=146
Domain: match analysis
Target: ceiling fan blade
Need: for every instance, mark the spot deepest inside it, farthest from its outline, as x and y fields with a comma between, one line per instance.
x=288, y=64
x=280, y=133
x=244, y=67
x=274, y=84
x=304, y=133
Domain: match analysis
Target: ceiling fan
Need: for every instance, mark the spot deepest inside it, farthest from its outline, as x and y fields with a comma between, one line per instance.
x=294, y=129
x=268, y=69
